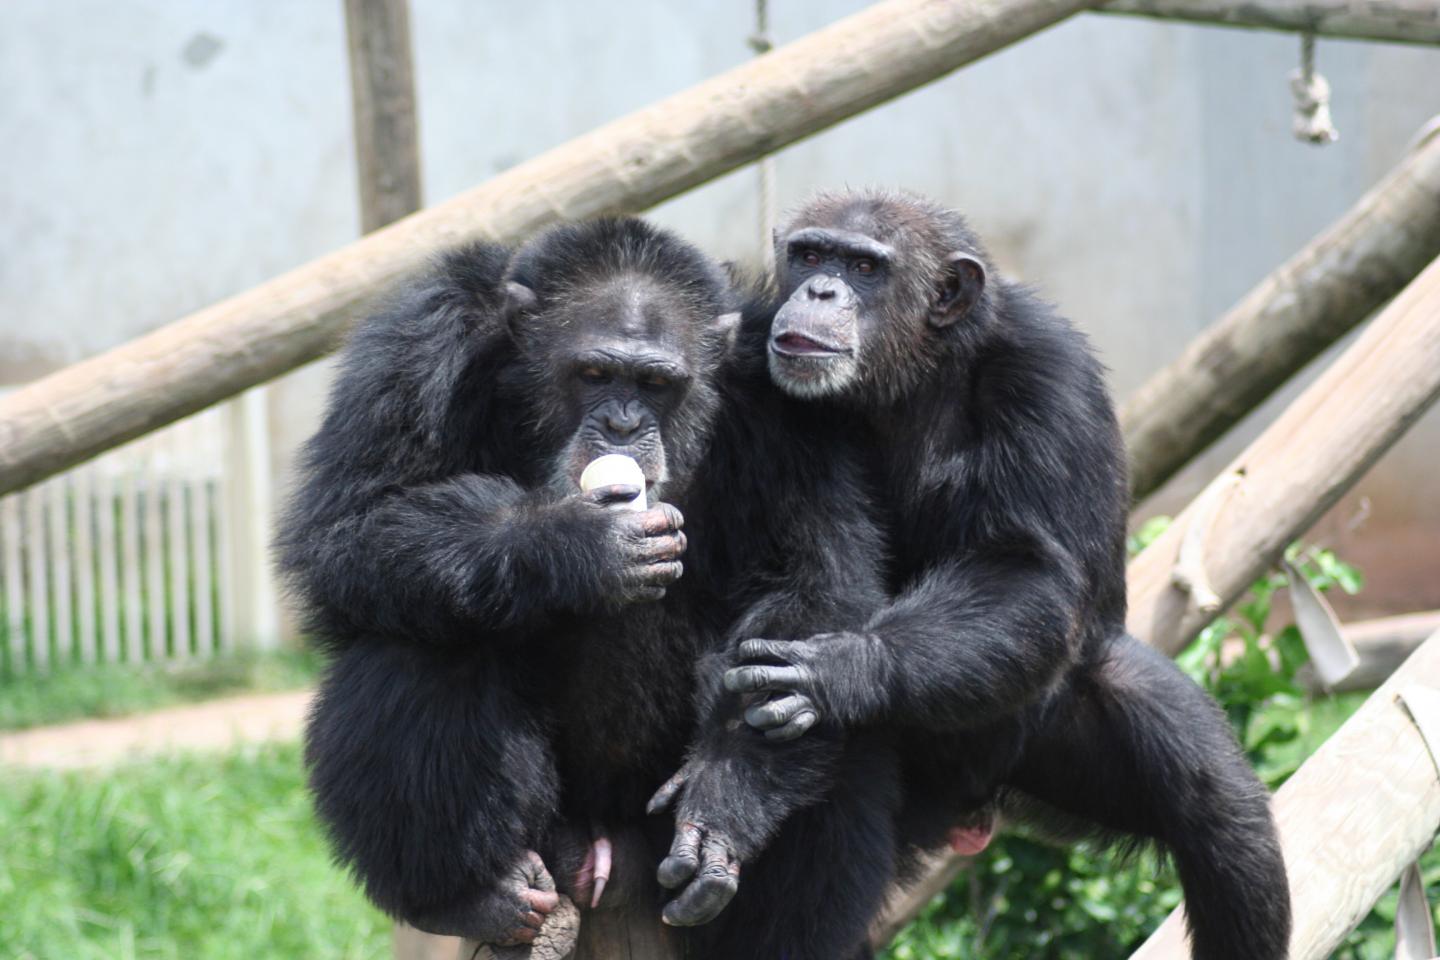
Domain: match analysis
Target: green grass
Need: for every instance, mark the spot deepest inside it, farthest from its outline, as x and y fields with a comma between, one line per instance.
x=28, y=700
x=200, y=858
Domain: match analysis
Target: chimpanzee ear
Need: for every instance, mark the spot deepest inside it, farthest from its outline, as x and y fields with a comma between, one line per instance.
x=519, y=299
x=727, y=325
x=962, y=282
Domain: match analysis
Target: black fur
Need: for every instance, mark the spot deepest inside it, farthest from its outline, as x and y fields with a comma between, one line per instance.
x=1001, y=667
x=488, y=696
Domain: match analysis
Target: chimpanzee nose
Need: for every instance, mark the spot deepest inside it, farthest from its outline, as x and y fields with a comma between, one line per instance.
x=823, y=288
x=621, y=425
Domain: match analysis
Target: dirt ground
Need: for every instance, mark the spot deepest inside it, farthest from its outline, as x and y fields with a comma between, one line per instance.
x=214, y=725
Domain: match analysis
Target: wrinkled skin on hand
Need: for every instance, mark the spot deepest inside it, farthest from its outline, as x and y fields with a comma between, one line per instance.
x=835, y=676
x=702, y=860
x=645, y=547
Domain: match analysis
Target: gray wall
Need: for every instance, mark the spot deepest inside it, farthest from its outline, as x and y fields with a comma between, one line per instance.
x=161, y=155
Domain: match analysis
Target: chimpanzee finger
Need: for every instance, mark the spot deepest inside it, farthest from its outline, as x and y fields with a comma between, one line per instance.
x=658, y=549
x=614, y=493
x=778, y=711
x=783, y=651
x=795, y=728
x=659, y=574
x=660, y=519
x=667, y=793
x=708, y=893
x=532, y=919
x=541, y=901
x=764, y=679
x=537, y=874
x=684, y=858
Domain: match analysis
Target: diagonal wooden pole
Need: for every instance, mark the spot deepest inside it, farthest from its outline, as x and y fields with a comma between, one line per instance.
x=1396, y=21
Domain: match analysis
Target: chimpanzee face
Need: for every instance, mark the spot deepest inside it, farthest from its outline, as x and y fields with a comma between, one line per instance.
x=866, y=294
x=618, y=362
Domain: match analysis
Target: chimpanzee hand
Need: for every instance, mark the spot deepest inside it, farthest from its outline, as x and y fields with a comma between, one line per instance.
x=644, y=548
x=509, y=913
x=702, y=859
x=843, y=676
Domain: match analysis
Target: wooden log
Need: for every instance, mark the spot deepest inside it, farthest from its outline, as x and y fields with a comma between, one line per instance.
x=1383, y=645
x=382, y=88
x=627, y=165
x=1285, y=321
x=1354, y=816
x=1239, y=525
x=1398, y=21
x=1317, y=448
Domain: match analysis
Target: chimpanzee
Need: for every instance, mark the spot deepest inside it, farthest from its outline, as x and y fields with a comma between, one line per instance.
x=513, y=662
x=1001, y=667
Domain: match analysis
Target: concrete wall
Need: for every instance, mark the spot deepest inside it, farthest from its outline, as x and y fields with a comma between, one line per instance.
x=161, y=155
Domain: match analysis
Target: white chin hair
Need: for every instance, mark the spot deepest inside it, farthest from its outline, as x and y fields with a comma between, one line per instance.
x=810, y=379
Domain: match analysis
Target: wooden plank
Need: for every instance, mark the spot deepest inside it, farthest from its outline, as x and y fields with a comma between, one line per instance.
x=1295, y=470
x=1354, y=816
x=152, y=507
x=39, y=579
x=627, y=165
x=177, y=545
x=130, y=566
x=1285, y=321
x=107, y=545
x=86, y=637
x=1396, y=21
x=57, y=527
x=13, y=582
x=382, y=89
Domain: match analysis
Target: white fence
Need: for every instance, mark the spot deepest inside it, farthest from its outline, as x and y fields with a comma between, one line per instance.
x=154, y=551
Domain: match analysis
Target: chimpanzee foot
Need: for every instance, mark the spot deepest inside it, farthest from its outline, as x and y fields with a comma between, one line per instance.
x=508, y=914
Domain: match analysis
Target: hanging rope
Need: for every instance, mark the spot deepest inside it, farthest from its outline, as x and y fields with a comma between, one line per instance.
x=1312, y=98
x=760, y=42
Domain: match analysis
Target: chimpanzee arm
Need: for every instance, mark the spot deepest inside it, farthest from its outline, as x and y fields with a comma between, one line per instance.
x=1014, y=547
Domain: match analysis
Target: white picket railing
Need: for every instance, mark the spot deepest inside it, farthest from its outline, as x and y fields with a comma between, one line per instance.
x=154, y=551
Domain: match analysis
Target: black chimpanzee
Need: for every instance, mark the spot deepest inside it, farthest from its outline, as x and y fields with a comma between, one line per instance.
x=514, y=663
x=1001, y=667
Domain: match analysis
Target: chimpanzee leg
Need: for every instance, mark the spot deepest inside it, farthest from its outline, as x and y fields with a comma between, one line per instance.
x=816, y=888
x=1137, y=748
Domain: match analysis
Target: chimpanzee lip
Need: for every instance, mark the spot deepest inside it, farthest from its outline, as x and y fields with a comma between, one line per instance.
x=799, y=345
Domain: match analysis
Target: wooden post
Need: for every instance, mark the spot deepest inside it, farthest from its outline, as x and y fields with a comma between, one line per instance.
x=1308, y=303
x=382, y=89
x=1398, y=21
x=1354, y=816
x=1239, y=525
x=1317, y=448
x=627, y=165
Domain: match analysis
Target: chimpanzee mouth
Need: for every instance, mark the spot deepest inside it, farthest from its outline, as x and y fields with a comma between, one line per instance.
x=799, y=345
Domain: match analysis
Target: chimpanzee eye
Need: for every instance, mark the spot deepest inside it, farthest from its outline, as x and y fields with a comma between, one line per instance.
x=656, y=381
x=863, y=266
x=810, y=258
x=593, y=375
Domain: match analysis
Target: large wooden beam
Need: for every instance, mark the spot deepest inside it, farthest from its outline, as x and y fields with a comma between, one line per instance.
x=1400, y=21
x=1354, y=816
x=1288, y=319
x=1273, y=492
x=1239, y=525
x=627, y=165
